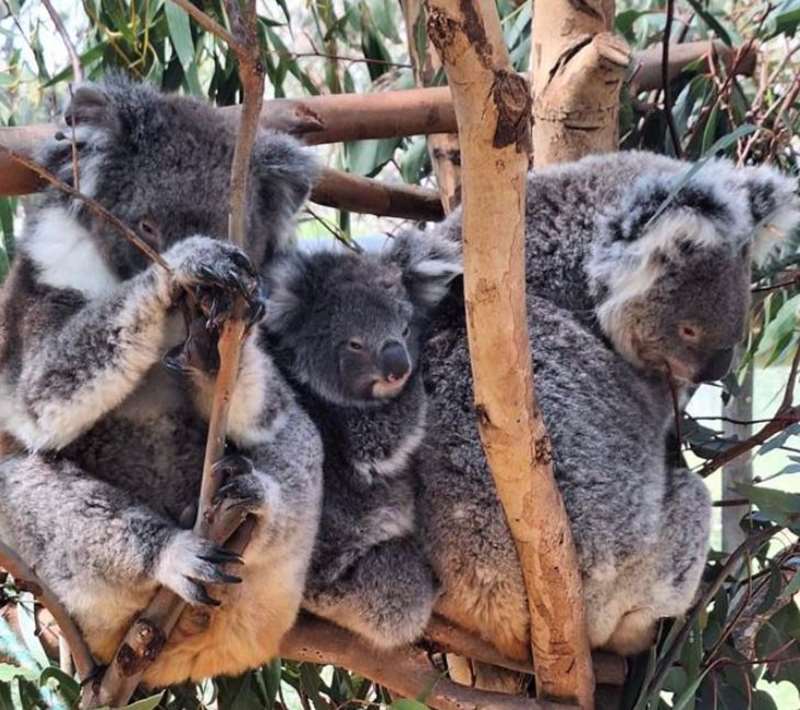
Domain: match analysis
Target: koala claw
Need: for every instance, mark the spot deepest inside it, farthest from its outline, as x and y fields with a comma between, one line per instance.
x=188, y=562
x=242, y=488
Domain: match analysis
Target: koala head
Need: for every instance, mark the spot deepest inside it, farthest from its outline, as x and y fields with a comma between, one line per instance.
x=161, y=163
x=350, y=325
x=670, y=274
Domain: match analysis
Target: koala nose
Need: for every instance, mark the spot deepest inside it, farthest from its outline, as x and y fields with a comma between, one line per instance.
x=394, y=362
x=716, y=366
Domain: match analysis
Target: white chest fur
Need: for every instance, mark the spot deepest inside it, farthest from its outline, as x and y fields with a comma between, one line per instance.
x=66, y=254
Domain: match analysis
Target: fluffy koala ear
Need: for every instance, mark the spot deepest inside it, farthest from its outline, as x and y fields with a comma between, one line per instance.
x=774, y=205
x=287, y=284
x=429, y=262
x=90, y=105
x=284, y=172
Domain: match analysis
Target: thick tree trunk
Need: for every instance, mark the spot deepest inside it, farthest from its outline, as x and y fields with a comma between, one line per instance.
x=577, y=66
x=492, y=106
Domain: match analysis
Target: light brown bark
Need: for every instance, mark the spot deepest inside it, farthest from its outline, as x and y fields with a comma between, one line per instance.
x=493, y=107
x=333, y=188
x=577, y=67
x=405, y=671
x=442, y=147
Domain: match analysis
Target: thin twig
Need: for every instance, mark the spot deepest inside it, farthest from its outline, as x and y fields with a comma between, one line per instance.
x=673, y=131
x=77, y=72
x=90, y=203
x=155, y=623
x=26, y=579
x=206, y=22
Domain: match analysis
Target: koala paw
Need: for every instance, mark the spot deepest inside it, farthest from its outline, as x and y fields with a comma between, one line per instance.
x=188, y=562
x=217, y=272
x=243, y=490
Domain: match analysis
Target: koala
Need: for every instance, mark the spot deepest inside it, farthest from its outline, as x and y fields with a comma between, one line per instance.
x=345, y=329
x=632, y=281
x=100, y=500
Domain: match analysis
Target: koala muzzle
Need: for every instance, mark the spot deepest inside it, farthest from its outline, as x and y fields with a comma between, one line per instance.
x=393, y=361
x=716, y=366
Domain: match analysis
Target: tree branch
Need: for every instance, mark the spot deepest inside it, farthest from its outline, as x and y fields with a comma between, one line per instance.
x=150, y=631
x=77, y=73
x=405, y=671
x=27, y=580
x=493, y=108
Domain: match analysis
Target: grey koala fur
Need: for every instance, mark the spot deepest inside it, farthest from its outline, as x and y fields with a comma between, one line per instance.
x=345, y=328
x=113, y=442
x=619, y=292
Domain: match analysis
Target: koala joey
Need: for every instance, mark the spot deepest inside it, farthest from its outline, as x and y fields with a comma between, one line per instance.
x=113, y=443
x=632, y=279
x=345, y=328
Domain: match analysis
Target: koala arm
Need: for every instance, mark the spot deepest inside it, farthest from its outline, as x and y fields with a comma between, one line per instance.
x=277, y=436
x=72, y=359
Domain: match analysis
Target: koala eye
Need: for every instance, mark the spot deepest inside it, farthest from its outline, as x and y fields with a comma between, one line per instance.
x=406, y=330
x=355, y=344
x=688, y=332
x=149, y=231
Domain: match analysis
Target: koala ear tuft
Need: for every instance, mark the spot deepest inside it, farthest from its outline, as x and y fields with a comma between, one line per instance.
x=287, y=283
x=283, y=172
x=429, y=262
x=774, y=205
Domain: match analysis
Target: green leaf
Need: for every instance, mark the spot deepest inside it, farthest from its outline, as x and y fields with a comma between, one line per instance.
x=27, y=626
x=406, y=704
x=8, y=672
x=368, y=157
x=779, y=506
x=683, y=701
x=148, y=703
x=782, y=324
x=713, y=23
x=180, y=33
x=67, y=686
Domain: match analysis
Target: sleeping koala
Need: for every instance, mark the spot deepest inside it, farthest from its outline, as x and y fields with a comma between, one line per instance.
x=113, y=442
x=623, y=292
x=345, y=329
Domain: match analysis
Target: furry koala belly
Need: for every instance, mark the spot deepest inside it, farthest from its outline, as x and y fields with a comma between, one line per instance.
x=164, y=467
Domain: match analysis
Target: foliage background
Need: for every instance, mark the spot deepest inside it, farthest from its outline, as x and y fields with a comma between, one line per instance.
x=332, y=46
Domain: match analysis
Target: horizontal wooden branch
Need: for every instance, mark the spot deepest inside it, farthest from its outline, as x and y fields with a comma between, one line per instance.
x=406, y=671
x=609, y=669
x=333, y=188
x=348, y=117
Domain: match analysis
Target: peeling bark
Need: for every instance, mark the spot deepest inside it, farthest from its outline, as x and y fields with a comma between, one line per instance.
x=577, y=66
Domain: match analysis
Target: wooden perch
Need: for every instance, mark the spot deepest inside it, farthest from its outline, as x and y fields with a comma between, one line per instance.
x=493, y=107
x=345, y=117
x=333, y=188
x=151, y=629
x=578, y=66
x=405, y=671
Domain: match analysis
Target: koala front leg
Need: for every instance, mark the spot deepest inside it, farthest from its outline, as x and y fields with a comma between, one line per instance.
x=79, y=365
x=386, y=596
x=97, y=546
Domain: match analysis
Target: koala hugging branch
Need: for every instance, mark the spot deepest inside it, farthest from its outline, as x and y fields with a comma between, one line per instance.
x=391, y=355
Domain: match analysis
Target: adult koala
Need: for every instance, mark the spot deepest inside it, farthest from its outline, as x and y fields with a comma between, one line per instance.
x=114, y=444
x=346, y=329
x=631, y=278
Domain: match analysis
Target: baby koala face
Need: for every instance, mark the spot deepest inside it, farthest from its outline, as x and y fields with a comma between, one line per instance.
x=352, y=323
